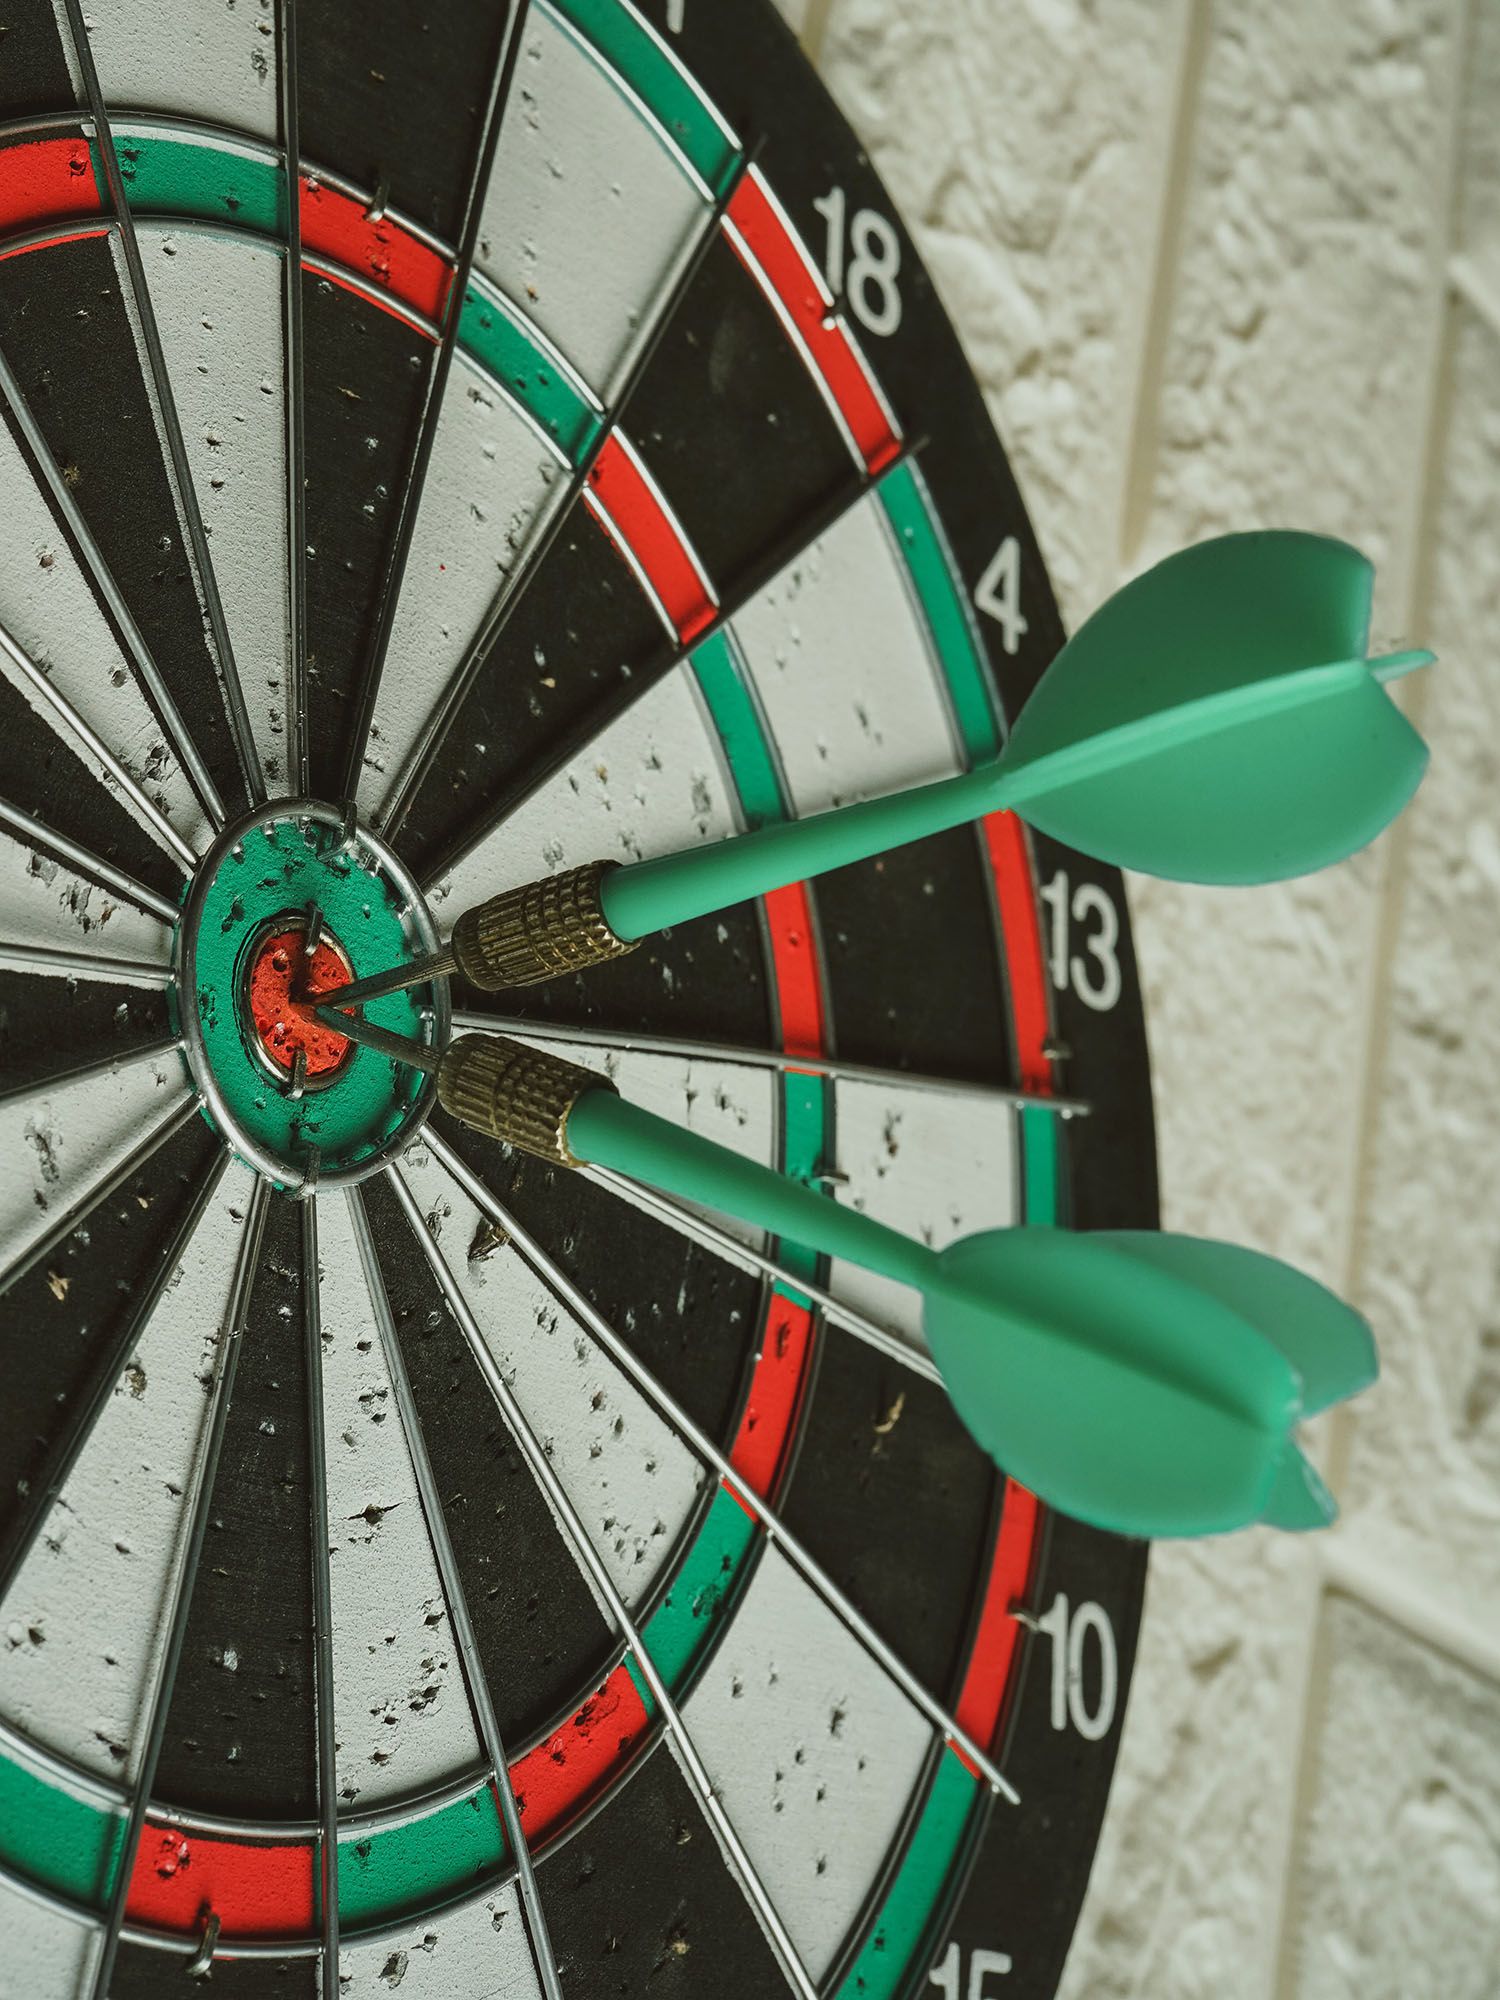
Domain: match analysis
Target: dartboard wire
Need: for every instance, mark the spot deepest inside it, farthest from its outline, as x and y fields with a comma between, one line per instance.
x=180, y=1597
x=36, y=833
x=480, y=1698
x=323, y=1675
x=48, y=692
x=296, y=409
x=234, y=693
x=759, y=1509
x=742, y=1056
x=102, y=1191
x=102, y=577
x=545, y=1474
x=105, y=1065
x=57, y=962
x=437, y=383
x=619, y=702
x=692, y=1223
x=440, y=720
x=85, y=1413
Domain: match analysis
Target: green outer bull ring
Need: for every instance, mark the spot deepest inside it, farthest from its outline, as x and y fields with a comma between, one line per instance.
x=276, y=862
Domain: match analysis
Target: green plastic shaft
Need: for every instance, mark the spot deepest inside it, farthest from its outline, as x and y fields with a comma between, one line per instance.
x=610, y=1132
x=647, y=896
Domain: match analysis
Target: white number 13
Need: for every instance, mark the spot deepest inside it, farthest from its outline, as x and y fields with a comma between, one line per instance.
x=1095, y=978
x=981, y=1965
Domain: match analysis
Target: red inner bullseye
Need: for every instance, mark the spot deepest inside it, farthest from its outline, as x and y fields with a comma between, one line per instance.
x=283, y=1025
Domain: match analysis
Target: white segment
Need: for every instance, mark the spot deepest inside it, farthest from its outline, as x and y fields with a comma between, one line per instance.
x=479, y=1950
x=218, y=306
x=212, y=60
x=49, y=609
x=82, y=1628
x=650, y=783
x=490, y=484
x=403, y=1719
x=56, y=1144
x=933, y=1167
x=813, y=1750
x=839, y=657
x=43, y=901
x=46, y=1953
x=633, y=1483
x=589, y=215
x=735, y=1105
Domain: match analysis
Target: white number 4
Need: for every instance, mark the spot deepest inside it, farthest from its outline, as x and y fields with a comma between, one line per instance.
x=981, y=1965
x=999, y=594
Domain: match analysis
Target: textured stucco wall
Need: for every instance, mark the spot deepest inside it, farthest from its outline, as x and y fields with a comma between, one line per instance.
x=1235, y=263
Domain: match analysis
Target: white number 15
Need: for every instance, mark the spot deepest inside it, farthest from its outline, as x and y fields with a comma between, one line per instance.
x=981, y=1964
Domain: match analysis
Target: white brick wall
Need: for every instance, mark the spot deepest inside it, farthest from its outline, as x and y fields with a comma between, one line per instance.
x=1228, y=263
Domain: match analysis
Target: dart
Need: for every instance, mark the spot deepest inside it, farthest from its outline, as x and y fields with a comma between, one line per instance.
x=1217, y=720
x=1146, y=1383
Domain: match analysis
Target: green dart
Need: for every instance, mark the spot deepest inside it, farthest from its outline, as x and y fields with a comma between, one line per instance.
x=1217, y=720
x=1146, y=1383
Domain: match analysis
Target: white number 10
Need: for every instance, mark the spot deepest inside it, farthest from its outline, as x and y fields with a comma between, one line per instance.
x=981, y=1965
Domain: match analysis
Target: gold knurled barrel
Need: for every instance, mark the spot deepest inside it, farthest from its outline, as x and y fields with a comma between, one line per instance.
x=513, y=1093
x=533, y=933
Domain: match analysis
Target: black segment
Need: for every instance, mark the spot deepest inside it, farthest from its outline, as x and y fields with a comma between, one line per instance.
x=579, y=635
x=45, y=777
x=704, y=981
x=143, y=1973
x=33, y=69
x=687, y=1315
x=365, y=375
x=892, y=1497
x=392, y=96
x=67, y=335
x=887, y=926
x=48, y=1026
x=732, y=425
x=539, y=1633
x=240, y=1729
x=58, y=1321
x=1023, y=1895
x=641, y=1902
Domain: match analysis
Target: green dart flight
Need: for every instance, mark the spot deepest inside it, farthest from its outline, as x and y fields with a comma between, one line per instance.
x=1217, y=720
x=1149, y=1384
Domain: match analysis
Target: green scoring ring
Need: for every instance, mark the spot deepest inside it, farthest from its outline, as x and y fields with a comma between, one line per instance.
x=275, y=865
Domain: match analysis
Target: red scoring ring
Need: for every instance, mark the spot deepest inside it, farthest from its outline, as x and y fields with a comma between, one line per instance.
x=283, y=1026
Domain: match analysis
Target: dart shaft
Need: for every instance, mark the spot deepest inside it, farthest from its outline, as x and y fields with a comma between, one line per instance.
x=647, y=896
x=414, y=972
x=398, y=1047
x=606, y=1131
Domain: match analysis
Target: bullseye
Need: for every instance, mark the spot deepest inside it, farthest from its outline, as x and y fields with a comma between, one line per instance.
x=282, y=981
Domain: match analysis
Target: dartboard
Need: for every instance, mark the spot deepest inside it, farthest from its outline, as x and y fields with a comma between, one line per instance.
x=444, y=446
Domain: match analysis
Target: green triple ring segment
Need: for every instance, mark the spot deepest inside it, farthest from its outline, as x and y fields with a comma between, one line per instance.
x=278, y=865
